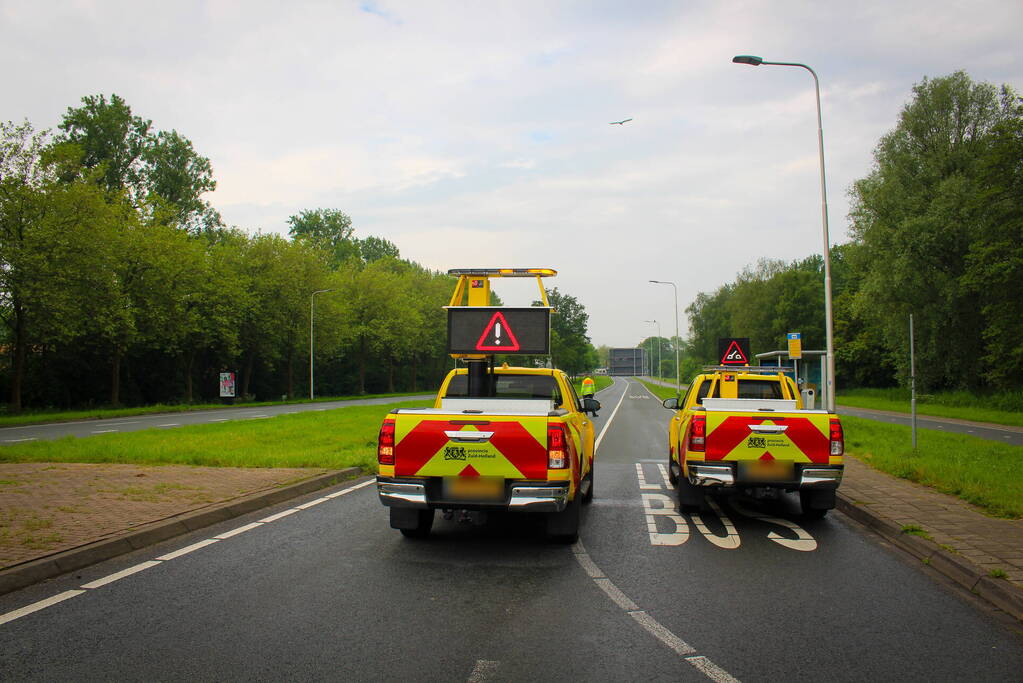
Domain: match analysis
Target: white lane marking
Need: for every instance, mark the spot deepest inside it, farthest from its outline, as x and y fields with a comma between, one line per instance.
x=306, y=506
x=274, y=518
x=730, y=541
x=115, y=424
x=104, y=431
x=36, y=606
x=483, y=671
x=32, y=438
x=258, y=417
x=642, y=479
x=712, y=670
x=60, y=597
x=803, y=542
x=170, y=424
x=608, y=423
x=665, y=508
x=613, y=592
x=663, y=469
x=351, y=488
x=651, y=625
x=239, y=530
x=662, y=634
x=121, y=574
x=188, y=549
x=220, y=419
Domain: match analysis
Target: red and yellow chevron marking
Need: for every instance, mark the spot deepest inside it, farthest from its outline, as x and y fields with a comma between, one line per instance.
x=517, y=450
x=806, y=439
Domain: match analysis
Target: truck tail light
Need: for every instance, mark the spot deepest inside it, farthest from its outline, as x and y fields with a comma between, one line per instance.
x=385, y=443
x=837, y=437
x=557, y=447
x=698, y=433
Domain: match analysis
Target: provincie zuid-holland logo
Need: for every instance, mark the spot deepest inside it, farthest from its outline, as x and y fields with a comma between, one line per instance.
x=462, y=453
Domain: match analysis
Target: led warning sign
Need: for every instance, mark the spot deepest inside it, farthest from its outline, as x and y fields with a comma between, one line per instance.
x=733, y=351
x=483, y=329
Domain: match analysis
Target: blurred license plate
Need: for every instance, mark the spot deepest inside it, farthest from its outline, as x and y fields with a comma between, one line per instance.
x=474, y=488
x=768, y=470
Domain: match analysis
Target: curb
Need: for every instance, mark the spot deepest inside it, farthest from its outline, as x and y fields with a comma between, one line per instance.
x=34, y=571
x=999, y=592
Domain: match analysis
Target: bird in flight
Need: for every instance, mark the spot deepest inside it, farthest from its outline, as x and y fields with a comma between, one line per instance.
x=619, y=123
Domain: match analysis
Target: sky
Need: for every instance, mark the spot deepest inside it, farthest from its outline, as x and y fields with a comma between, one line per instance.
x=477, y=134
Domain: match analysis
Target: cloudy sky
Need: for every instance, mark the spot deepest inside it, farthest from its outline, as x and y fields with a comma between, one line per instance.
x=477, y=133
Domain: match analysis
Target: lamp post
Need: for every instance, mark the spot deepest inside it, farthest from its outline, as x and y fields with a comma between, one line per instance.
x=829, y=326
x=678, y=381
x=658, y=345
x=312, y=300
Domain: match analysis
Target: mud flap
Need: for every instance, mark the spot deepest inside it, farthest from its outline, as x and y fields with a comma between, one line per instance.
x=412, y=521
x=564, y=526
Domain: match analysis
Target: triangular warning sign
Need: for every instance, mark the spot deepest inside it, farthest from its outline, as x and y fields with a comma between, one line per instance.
x=734, y=355
x=497, y=336
x=469, y=471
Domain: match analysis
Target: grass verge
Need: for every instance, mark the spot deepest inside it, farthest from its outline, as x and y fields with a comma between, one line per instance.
x=343, y=437
x=959, y=405
x=986, y=473
x=106, y=413
x=661, y=392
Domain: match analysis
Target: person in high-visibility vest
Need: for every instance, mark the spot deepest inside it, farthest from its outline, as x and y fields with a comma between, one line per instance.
x=588, y=386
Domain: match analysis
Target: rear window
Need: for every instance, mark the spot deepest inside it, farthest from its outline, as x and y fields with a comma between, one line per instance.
x=759, y=388
x=511, y=386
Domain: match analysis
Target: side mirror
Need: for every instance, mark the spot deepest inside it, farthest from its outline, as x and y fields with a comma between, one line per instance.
x=591, y=405
x=670, y=403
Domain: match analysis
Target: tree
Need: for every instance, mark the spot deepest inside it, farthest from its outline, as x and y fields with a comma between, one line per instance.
x=918, y=218
x=374, y=248
x=327, y=229
x=570, y=341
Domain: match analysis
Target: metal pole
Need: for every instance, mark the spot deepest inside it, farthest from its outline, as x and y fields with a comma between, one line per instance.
x=912, y=379
x=678, y=381
x=312, y=299
x=829, y=389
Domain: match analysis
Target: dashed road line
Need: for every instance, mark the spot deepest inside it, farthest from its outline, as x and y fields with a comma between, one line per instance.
x=104, y=431
x=36, y=606
x=683, y=649
x=188, y=549
x=121, y=574
x=31, y=438
x=171, y=424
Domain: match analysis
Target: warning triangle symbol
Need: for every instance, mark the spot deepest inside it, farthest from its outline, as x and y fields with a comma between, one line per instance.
x=497, y=336
x=734, y=355
x=469, y=471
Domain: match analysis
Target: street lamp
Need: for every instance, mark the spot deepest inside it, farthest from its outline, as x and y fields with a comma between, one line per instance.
x=312, y=299
x=678, y=381
x=829, y=326
x=658, y=345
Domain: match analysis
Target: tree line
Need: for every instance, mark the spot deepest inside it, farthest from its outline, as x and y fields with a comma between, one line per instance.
x=937, y=232
x=120, y=283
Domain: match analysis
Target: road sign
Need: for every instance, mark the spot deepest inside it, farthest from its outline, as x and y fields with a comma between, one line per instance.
x=795, y=345
x=488, y=329
x=733, y=351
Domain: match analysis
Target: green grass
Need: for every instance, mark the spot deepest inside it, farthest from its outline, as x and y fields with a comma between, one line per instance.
x=46, y=416
x=659, y=391
x=343, y=437
x=986, y=473
x=916, y=530
x=1005, y=408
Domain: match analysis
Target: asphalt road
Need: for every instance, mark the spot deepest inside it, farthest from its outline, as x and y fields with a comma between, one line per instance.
x=81, y=428
x=322, y=588
x=1007, y=434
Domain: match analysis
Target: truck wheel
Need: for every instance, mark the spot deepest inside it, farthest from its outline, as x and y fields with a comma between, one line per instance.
x=563, y=526
x=412, y=523
x=690, y=498
x=588, y=496
x=816, y=503
x=672, y=477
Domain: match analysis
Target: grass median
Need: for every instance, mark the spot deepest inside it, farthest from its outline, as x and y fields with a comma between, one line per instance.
x=343, y=437
x=998, y=409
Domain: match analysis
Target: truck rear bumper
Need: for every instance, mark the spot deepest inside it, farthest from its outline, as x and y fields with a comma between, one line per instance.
x=423, y=494
x=724, y=474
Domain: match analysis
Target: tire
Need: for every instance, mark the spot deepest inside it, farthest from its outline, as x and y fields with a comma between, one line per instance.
x=421, y=529
x=690, y=497
x=815, y=504
x=588, y=496
x=672, y=477
x=563, y=527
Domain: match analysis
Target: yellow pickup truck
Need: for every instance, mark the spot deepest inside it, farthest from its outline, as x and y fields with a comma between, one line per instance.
x=745, y=429
x=522, y=444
